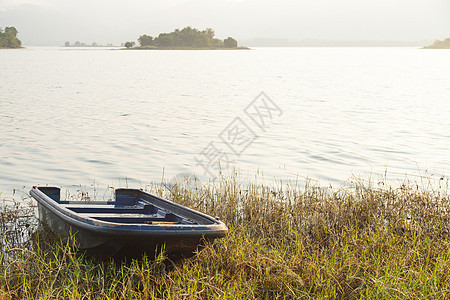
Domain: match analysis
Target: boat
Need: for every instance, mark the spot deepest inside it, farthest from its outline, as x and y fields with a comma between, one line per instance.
x=133, y=223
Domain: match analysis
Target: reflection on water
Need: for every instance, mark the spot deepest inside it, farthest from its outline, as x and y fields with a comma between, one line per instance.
x=72, y=117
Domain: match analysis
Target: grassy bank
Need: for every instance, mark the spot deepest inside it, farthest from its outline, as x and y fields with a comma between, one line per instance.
x=361, y=242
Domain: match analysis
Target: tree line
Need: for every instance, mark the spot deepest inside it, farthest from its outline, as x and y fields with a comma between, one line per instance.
x=80, y=44
x=187, y=37
x=8, y=38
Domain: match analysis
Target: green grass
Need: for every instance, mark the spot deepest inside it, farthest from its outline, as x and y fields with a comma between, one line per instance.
x=289, y=242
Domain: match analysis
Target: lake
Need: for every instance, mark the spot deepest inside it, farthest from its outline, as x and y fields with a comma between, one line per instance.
x=100, y=117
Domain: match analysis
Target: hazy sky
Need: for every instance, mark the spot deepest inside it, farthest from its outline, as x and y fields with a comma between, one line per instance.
x=52, y=22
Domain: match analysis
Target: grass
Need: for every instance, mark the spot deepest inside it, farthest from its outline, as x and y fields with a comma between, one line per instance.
x=362, y=242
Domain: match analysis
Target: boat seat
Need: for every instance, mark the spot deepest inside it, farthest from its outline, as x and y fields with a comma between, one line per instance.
x=85, y=202
x=168, y=218
x=108, y=208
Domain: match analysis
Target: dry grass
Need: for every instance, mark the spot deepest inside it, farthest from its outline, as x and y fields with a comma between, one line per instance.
x=362, y=242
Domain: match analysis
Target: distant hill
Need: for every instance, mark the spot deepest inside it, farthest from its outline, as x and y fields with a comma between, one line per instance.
x=438, y=44
x=273, y=42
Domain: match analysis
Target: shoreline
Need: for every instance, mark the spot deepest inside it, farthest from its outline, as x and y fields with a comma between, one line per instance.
x=433, y=47
x=12, y=47
x=186, y=48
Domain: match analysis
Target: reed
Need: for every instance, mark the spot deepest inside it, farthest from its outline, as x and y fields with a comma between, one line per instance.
x=365, y=241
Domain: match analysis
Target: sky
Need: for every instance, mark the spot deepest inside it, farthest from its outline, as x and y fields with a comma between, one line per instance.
x=53, y=22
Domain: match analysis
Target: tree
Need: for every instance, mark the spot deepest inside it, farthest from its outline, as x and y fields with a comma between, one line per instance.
x=67, y=44
x=8, y=38
x=218, y=43
x=188, y=36
x=209, y=32
x=145, y=40
x=3, y=42
x=129, y=44
x=230, y=43
x=165, y=40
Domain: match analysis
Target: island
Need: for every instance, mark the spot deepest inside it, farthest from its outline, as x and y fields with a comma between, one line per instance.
x=187, y=38
x=8, y=38
x=438, y=44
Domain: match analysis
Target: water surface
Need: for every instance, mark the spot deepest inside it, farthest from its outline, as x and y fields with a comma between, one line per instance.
x=72, y=117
